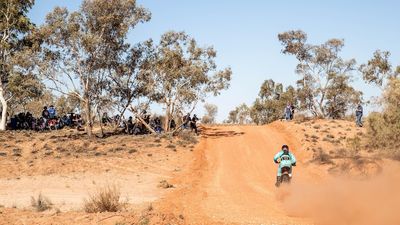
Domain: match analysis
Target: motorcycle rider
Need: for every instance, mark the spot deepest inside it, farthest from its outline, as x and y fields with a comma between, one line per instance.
x=277, y=159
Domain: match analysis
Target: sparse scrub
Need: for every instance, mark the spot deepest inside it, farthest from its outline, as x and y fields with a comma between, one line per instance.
x=144, y=221
x=60, y=149
x=314, y=137
x=301, y=118
x=48, y=152
x=105, y=199
x=316, y=127
x=322, y=157
x=165, y=184
x=187, y=137
x=330, y=136
x=17, y=152
x=41, y=203
x=353, y=144
x=132, y=151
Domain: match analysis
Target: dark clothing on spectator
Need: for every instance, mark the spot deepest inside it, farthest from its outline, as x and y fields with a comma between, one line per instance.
x=359, y=114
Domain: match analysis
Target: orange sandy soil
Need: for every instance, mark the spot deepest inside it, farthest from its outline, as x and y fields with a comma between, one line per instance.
x=228, y=178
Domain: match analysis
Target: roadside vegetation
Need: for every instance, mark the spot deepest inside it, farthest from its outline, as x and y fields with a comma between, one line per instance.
x=81, y=61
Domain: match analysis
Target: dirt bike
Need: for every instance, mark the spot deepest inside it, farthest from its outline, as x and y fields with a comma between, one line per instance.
x=286, y=169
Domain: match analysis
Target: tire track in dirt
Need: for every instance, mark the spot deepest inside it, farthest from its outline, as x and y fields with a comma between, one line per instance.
x=232, y=178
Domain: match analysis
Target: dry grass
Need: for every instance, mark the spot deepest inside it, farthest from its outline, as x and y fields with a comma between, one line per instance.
x=317, y=127
x=165, y=184
x=187, y=137
x=41, y=203
x=106, y=199
x=322, y=158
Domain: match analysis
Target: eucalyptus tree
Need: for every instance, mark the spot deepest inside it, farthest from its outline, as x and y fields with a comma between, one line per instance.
x=83, y=49
x=378, y=70
x=15, y=43
x=384, y=127
x=183, y=74
x=321, y=68
x=211, y=111
x=272, y=100
x=240, y=115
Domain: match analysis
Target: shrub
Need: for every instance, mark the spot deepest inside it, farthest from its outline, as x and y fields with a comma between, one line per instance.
x=354, y=144
x=165, y=184
x=187, y=137
x=41, y=203
x=17, y=152
x=317, y=127
x=106, y=199
x=322, y=157
x=170, y=146
x=383, y=128
x=330, y=136
x=132, y=151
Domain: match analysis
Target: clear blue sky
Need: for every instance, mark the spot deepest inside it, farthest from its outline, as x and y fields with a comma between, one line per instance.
x=244, y=33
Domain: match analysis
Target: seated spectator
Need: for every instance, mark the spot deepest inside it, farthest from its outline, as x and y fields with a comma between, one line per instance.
x=105, y=119
x=52, y=112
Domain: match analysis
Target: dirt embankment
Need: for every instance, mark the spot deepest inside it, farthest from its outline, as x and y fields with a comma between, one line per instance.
x=232, y=181
x=229, y=178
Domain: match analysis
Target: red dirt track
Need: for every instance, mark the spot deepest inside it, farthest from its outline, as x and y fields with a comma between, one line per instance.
x=232, y=182
x=233, y=178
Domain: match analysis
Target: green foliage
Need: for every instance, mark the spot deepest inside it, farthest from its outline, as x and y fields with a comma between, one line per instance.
x=384, y=127
x=83, y=49
x=271, y=102
x=15, y=42
x=324, y=88
x=183, y=74
x=340, y=97
x=240, y=115
x=378, y=69
x=211, y=113
x=67, y=104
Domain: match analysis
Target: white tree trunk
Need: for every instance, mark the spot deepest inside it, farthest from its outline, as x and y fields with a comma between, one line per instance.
x=89, y=124
x=3, y=101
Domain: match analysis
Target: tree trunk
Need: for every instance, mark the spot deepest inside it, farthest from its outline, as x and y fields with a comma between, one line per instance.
x=3, y=101
x=167, y=118
x=101, y=123
x=89, y=124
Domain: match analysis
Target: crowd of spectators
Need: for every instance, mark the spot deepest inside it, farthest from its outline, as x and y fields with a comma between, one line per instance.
x=49, y=120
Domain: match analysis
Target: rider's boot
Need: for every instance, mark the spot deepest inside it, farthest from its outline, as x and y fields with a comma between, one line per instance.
x=278, y=181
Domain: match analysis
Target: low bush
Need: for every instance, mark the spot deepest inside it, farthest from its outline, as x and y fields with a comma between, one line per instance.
x=322, y=157
x=106, y=199
x=41, y=203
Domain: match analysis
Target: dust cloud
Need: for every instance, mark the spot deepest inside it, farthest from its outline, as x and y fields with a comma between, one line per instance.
x=342, y=201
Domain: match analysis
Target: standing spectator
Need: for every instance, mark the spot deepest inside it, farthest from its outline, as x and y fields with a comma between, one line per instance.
x=292, y=111
x=359, y=114
x=193, y=122
x=186, y=121
x=288, y=112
